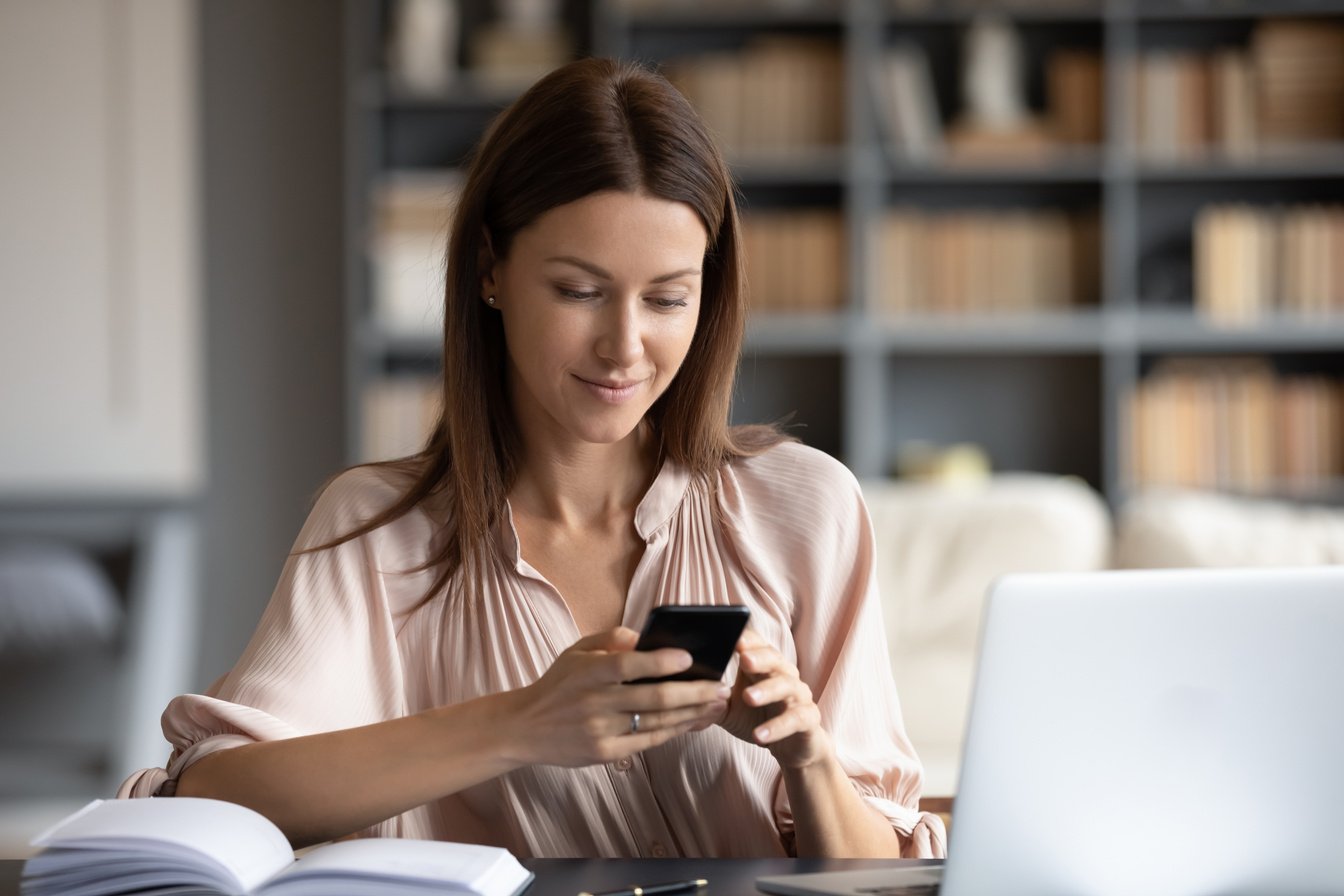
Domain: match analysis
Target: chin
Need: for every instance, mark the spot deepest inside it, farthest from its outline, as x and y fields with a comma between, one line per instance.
x=608, y=433
x=606, y=436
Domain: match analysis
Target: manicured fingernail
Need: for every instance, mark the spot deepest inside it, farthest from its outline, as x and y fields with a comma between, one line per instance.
x=762, y=735
x=754, y=694
x=684, y=660
x=724, y=692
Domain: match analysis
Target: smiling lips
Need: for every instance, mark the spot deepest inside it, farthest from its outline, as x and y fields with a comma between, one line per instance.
x=610, y=392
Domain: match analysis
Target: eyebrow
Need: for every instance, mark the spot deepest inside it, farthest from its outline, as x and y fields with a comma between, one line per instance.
x=599, y=272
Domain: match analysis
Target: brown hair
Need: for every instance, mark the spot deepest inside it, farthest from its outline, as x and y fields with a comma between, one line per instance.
x=589, y=126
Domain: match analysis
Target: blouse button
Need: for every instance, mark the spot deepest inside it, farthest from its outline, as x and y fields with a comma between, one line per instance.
x=625, y=764
x=659, y=850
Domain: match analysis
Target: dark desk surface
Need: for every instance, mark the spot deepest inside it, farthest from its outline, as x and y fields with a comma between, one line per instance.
x=567, y=877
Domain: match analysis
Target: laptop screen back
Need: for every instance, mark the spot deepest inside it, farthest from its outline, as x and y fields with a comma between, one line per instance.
x=1152, y=732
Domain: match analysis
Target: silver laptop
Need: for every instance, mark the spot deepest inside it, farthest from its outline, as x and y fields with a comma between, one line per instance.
x=1155, y=732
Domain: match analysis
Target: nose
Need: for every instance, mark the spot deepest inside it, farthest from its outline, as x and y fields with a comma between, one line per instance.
x=621, y=339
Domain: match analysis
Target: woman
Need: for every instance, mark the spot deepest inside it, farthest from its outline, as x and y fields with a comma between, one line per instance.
x=445, y=653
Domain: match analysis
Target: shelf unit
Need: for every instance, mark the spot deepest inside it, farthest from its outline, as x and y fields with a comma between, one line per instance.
x=1040, y=391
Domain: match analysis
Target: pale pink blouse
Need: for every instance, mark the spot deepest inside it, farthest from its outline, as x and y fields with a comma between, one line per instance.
x=346, y=641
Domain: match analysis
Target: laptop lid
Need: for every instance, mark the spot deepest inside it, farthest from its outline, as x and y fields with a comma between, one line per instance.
x=1156, y=732
x=916, y=880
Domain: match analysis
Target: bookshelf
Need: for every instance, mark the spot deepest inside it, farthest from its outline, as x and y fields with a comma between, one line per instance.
x=1110, y=199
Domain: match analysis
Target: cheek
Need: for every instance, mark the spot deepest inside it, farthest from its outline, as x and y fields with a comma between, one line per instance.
x=687, y=329
x=543, y=342
x=677, y=342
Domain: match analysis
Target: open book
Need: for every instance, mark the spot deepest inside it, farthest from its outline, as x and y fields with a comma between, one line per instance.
x=181, y=846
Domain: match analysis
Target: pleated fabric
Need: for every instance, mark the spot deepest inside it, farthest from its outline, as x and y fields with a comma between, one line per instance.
x=347, y=640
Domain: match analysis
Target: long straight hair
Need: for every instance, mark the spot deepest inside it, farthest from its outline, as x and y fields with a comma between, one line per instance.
x=589, y=126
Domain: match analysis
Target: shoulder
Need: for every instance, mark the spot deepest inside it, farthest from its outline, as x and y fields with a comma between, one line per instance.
x=796, y=518
x=352, y=498
x=792, y=477
x=386, y=564
x=792, y=494
x=363, y=491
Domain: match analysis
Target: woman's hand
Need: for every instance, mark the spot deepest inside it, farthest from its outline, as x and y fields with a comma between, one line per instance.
x=580, y=712
x=771, y=706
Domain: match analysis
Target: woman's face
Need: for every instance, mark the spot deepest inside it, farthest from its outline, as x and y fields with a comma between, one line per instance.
x=599, y=299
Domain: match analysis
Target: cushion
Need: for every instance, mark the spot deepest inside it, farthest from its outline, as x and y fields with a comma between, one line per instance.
x=53, y=597
x=938, y=549
x=1170, y=528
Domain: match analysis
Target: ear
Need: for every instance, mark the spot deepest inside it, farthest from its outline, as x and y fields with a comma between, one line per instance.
x=485, y=263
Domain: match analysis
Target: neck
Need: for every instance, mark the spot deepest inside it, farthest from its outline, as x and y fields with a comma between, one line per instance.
x=585, y=486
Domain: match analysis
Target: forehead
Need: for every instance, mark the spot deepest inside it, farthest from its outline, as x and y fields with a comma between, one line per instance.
x=619, y=228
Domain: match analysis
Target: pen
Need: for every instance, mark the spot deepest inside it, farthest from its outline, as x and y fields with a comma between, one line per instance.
x=676, y=886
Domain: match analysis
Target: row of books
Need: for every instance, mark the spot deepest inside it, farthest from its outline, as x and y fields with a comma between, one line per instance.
x=407, y=245
x=1235, y=424
x=986, y=261
x=1299, y=79
x=795, y=259
x=712, y=6
x=906, y=7
x=1251, y=260
x=905, y=101
x=926, y=262
x=1198, y=423
x=1248, y=260
x=506, y=53
x=777, y=94
x=1286, y=89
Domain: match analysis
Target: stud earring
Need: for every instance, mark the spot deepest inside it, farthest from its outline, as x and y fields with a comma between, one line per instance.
x=490, y=300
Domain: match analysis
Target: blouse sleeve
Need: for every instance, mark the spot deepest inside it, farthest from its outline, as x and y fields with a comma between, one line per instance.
x=805, y=516
x=323, y=657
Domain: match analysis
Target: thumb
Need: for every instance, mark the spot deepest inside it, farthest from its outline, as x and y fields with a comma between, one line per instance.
x=615, y=639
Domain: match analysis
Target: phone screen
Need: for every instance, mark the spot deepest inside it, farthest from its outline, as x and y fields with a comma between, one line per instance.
x=709, y=634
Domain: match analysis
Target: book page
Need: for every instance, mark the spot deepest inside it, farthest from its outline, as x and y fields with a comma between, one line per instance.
x=391, y=864
x=243, y=844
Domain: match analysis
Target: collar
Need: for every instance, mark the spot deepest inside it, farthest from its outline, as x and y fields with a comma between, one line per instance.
x=652, y=513
x=662, y=499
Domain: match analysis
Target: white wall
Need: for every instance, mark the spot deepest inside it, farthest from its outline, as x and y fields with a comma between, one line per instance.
x=100, y=374
x=171, y=305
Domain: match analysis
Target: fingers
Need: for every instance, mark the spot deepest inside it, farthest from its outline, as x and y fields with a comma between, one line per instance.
x=779, y=694
x=636, y=664
x=655, y=728
x=660, y=720
x=666, y=705
x=750, y=640
x=668, y=695
x=662, y=706
x=765, y=661
x=780, y=688
x=613, y=639
x=797, y=719
x=644, y=740
x=757, y=655
x=609, y=657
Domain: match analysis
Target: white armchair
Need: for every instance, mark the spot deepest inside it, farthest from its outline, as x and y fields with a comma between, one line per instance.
x=938, y=549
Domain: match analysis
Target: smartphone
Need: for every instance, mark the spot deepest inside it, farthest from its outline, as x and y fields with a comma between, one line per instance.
x=708, y=634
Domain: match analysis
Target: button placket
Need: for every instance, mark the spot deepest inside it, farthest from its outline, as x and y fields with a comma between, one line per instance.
x=650, y=834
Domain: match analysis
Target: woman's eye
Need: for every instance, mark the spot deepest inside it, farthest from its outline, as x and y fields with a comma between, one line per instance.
x=669, y=302
x=577, y=294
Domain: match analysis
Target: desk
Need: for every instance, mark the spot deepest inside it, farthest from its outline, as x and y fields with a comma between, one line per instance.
x=566, y=877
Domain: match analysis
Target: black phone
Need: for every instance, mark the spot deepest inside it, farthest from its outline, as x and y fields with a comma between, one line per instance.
x=708, y=634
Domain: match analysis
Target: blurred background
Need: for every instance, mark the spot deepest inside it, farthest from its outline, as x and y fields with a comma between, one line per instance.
x=1099, y=243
